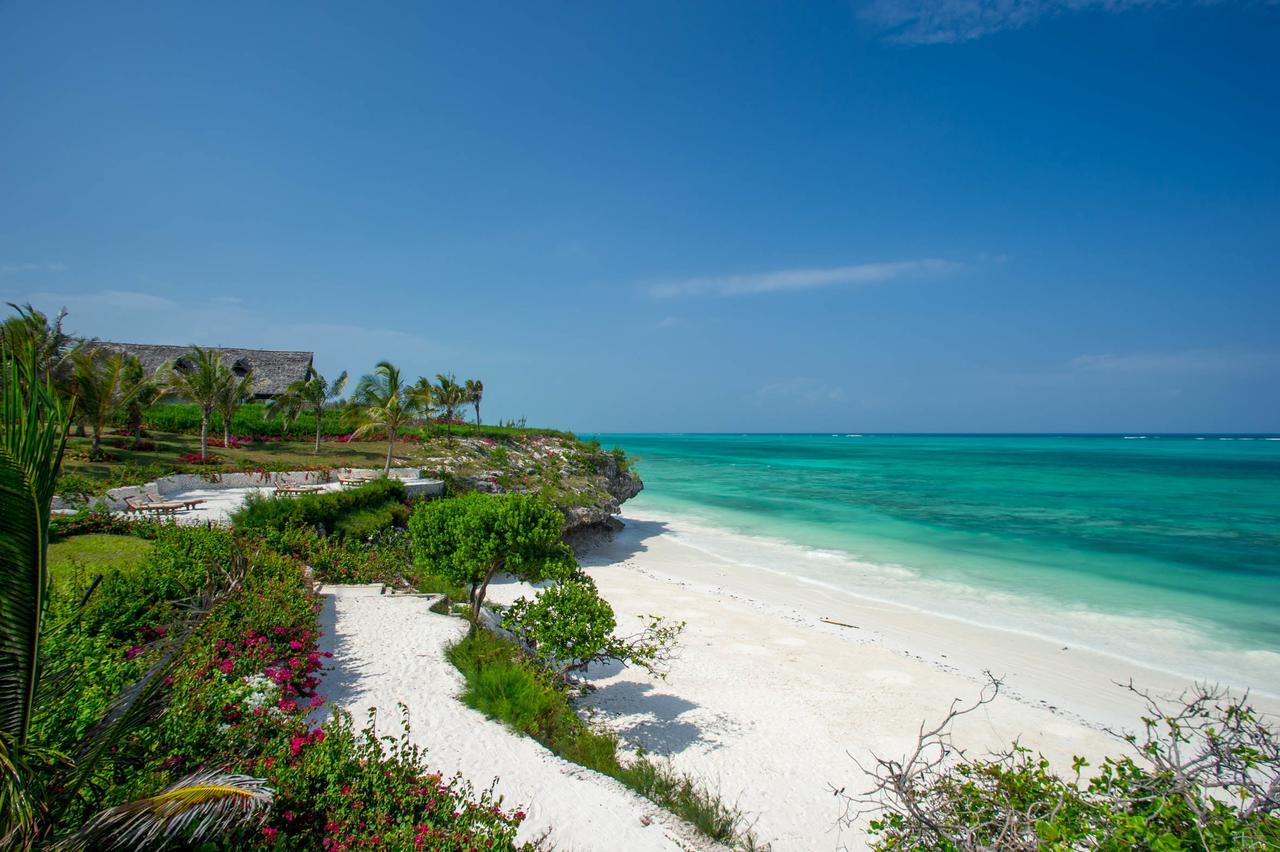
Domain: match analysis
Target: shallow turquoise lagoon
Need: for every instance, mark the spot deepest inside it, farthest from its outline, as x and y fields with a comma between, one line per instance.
x=1160, y=548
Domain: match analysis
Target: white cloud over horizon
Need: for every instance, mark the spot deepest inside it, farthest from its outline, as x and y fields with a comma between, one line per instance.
x=801, y=390
x=1189, y=361
x=922, y=22
x=802, y=279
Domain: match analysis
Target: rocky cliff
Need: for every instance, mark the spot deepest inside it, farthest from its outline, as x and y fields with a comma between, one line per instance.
x=587, y=483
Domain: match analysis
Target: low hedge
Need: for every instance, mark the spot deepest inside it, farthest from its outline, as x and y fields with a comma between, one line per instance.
x=328, y=510
x=250, y=419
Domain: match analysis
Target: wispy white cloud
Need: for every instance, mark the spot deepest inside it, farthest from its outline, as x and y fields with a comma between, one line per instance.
x=949, y=21
x=802, y=279
x=128, y=299
x=18, y=268
x=1189, y=361
x=669, y=322
x=802, y=390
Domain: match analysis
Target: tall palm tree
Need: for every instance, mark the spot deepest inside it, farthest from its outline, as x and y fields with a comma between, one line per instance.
x=475, y=392
x=103, y=387
x=235, y=390
x=382, y=403
x=450, y=396
x=52, y=348
x=199, y=377
x=145, y=390
x=309, y=395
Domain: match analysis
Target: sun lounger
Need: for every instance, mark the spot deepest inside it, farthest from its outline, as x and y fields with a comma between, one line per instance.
x=355, y=480
x=297, y=489
x=158, y=507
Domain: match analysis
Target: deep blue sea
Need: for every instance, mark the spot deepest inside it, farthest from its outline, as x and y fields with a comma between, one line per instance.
x=1164, y=549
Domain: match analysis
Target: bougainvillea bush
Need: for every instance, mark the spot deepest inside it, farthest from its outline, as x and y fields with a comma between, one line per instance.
x=94, y=520
x=243, y=696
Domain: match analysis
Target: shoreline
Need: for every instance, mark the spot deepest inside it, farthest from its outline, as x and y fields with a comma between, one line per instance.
x=1108, y=634
x=773, y=707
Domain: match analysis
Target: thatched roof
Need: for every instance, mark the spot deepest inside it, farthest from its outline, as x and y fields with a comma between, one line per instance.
x=272, y=371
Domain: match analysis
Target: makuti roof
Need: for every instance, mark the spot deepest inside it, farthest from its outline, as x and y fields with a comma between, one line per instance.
x=273, y=371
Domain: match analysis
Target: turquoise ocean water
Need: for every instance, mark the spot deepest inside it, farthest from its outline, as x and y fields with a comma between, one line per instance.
x=1161, y=549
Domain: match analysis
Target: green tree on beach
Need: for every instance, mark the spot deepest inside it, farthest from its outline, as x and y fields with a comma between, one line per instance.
x=470, y=539
x=382, y=403
x=313, y=395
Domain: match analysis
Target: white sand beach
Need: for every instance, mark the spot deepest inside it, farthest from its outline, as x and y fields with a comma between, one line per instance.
x=767, y=703
x=771, y=705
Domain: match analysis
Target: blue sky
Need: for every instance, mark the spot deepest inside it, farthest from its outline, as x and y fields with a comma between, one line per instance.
x=895, y=215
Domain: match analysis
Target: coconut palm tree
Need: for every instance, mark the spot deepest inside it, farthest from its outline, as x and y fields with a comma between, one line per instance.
x=199, y=377
x=475, y=392
x=145, y=390
x=51, y=347
x=103, y=388
x=382, y=403
x=423, y=393
x=311, y=395
x=450, y=396
x=235, y=390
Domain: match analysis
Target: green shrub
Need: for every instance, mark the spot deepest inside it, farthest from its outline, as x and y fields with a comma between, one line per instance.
x=1202, y=776
x=569, y=626
x=310, y=510
x=471, y=538
x=366, y=523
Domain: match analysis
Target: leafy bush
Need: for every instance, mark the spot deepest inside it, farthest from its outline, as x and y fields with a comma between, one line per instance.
x=469, y=539
x=569, y=626
x=76, y=484
x=87, y=520
x=366, y=523
x=310, y=510
x=1204, y=778
x=381, y=559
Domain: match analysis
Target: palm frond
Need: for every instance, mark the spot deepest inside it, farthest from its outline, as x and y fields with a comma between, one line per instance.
x=199, y=806
x=21, y=810
x=33, y=435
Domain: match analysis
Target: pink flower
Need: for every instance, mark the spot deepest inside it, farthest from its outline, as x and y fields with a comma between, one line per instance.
x=270, y=833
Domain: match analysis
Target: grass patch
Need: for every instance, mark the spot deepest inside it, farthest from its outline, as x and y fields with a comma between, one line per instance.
x=95, y=554
x=504, y=685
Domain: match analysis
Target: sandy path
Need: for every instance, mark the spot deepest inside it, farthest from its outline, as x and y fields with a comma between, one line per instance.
x=389, y=650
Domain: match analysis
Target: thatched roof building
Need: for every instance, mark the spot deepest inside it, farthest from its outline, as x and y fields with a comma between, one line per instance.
x=273, y=371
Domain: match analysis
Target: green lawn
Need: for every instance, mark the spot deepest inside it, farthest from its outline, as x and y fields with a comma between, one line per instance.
x=126, y=467
x=95, y=554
